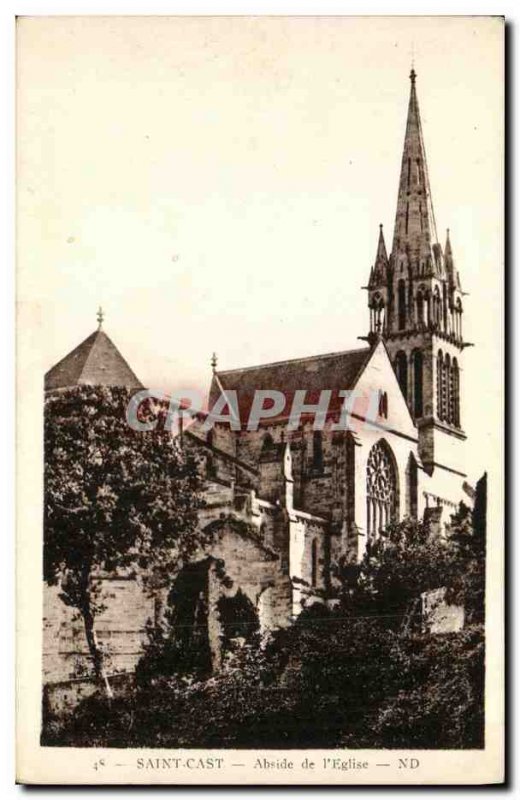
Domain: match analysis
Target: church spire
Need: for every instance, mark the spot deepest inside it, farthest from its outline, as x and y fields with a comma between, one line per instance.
x=415, y=302
x=415, y=236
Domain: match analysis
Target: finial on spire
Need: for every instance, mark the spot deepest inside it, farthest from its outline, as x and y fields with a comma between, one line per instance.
x=214, y=362
x=447, y=247
x=413, y=74
x=100, y=317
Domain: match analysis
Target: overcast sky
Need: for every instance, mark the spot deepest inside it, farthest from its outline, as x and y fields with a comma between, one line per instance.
x=217, y=184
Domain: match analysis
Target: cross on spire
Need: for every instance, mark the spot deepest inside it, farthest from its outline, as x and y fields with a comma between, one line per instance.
x=100, y=317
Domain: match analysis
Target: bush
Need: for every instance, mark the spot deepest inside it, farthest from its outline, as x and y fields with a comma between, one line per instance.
x=329, y=681
x=354, y=677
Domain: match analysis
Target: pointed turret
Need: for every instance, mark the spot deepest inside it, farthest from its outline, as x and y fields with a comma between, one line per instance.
x=453, y=275
x=415, y=236
x=379, y=272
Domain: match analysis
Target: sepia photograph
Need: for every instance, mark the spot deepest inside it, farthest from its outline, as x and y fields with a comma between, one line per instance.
x=261, y=341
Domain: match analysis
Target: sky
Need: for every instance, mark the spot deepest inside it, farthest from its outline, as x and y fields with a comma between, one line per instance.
x=216, y=184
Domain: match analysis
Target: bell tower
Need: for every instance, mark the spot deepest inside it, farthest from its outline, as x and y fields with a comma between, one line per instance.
x=415, y=304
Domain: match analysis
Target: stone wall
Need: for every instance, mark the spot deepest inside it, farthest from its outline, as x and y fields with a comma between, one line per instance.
x=253, y=568
x=60, y=698
x=250, y=565
x=309, y=558
x=439, y=616
x=121, y=629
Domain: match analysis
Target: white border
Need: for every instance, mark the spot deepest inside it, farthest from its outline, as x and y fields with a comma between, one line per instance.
x=8, y=11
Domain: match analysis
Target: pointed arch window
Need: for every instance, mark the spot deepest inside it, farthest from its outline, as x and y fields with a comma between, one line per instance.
x=381, y=488
x=437, y=308
x=440, y=367
x=446, y=381
x=417, y=383
x=401, y=305
x=380, y=317
x=383, y=404
x=451, y=319
x=428, y=304
x=451, y=396
x=401, y=369
x=456, y=392
x=377, y=322
x=444, y=320
x=421, y=302
x=317, y=451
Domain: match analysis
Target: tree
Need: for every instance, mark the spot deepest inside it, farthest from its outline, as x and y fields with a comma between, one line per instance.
x=116, y=499
x=350, y=676
x=468, y=533
x=398, y=566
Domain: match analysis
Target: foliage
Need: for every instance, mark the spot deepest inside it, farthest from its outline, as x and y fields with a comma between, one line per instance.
x=352, y=676
x=115, y=499
x=178, y=643
x=469, y=537
x=178, y=646
x=238, y=618
x=399, y=565
x=360, y=685
x=437, y=700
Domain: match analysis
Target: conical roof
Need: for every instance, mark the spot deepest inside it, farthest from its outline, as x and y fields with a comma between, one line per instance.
x=95, y=362
x=378, y=274
x=453, y=275
x=415, y=234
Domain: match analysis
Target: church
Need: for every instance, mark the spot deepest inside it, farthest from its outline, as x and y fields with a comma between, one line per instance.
x=287, y=503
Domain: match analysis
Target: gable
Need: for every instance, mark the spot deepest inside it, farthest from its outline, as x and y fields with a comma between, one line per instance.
x=378, y=376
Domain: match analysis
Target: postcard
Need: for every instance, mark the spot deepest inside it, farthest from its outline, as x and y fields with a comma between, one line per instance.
x=260, y=386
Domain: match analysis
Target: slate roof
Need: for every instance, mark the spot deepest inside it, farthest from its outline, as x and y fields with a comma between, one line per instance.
x=95, y=362
x=334, y=371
